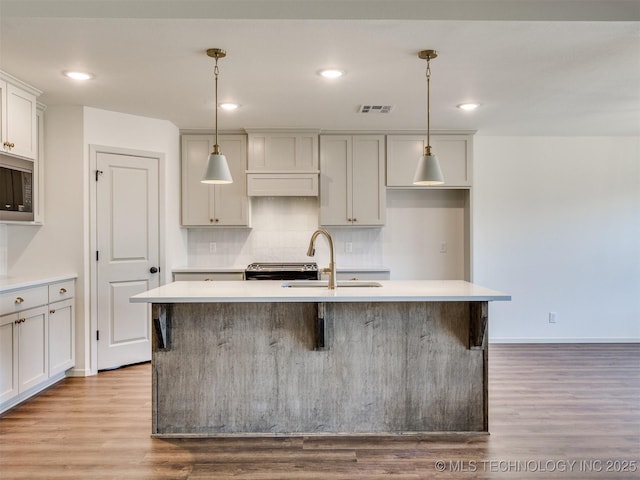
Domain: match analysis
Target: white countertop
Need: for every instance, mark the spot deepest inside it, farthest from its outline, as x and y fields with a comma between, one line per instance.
x=31, y=280
x=272, y=291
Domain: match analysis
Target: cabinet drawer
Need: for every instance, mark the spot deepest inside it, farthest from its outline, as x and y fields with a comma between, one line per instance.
x=22, y=299
x=208, y=276
x=61, y=291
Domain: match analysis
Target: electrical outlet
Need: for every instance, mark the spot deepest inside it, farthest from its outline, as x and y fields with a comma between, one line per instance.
x=348, y=247
x=553, y=316
x=213, y=247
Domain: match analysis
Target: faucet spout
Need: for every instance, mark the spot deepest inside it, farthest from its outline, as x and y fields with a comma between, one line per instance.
x=332, y=265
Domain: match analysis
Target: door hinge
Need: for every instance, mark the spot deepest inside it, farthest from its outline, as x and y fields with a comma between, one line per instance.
x=98, y=173
x=97, y=256
x=97, y=334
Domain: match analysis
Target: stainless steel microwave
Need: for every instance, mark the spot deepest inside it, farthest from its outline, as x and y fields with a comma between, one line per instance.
x=16, y=189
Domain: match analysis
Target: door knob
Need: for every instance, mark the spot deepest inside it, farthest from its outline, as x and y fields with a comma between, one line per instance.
x=154, y=269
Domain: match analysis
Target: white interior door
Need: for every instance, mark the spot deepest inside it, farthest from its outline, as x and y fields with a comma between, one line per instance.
x=127, y=255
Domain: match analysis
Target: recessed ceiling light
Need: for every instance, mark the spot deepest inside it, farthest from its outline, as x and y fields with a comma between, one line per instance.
x=78, y=75
x=229, y=106
x=468, y=106
x=331, y=73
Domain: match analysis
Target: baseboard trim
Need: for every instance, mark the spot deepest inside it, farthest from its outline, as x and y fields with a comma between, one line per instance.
x=79, y=372
x=564, y=340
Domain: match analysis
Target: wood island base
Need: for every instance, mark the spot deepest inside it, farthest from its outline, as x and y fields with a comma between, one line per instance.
x=282, y=368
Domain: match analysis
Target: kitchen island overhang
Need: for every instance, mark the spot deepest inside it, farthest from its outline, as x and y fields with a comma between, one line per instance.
x=238, y=358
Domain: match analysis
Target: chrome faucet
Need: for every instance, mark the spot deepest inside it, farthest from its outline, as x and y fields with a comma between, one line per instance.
x=332, y=265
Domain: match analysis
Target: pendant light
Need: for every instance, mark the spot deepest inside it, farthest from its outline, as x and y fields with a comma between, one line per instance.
x=428, y=171
x=217, y=167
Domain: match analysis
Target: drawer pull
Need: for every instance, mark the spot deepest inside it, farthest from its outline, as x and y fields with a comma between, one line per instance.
x=63, y=291
x=19, y=299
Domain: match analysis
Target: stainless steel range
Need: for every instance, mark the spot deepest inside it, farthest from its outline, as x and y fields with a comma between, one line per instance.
x=281, y=271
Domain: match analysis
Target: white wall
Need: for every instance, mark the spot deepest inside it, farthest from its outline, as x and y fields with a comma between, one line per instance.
x=61, y=245
x=419, y=222
x=123, y=131
x=557, y=225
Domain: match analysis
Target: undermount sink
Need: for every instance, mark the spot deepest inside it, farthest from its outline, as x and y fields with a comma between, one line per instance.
x=324, y=283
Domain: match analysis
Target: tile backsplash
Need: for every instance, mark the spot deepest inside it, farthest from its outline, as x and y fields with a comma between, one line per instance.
x=281, y=229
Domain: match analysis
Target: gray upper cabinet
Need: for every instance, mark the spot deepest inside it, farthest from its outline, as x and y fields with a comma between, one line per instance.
x=454, y=152
x=214, y=205
x=352, y=191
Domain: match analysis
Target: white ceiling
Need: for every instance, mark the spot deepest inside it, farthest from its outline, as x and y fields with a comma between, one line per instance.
x=566, y=67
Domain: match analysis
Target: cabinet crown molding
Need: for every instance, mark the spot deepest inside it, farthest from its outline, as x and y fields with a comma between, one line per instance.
x=19, y=83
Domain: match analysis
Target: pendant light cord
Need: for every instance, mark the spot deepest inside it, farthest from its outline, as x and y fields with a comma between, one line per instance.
x=216, y=72
x=428, y=149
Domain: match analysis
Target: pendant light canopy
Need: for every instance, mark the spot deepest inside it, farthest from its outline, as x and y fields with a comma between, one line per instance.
x=217, y=168
x=428, y=171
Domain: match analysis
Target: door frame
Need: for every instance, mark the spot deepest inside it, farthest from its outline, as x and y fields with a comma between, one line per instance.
x=91, y=343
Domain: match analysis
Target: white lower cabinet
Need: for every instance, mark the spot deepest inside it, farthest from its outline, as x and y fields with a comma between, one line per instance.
x=8, y=358
x=61, y=337
x=33, y=343
x=37, y=342
x=23, y=351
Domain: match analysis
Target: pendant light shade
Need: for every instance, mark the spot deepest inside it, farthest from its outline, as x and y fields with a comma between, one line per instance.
x=217, y=171
x=428, y=171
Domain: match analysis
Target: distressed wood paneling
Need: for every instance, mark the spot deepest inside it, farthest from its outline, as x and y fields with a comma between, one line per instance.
x=391, y=367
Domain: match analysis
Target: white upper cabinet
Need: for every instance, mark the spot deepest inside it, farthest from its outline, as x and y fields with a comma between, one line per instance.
x=18, y=123
x=282, y=163
x=214, y=205
x=352, y=191
x=454, y=152
x=279, y=151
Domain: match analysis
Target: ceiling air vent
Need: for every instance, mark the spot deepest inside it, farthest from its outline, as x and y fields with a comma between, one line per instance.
x=375, y=109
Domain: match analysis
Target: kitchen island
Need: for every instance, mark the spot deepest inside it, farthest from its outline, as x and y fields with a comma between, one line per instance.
x=238, y=358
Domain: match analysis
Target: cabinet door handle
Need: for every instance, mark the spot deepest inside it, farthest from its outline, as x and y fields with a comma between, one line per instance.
x=63, y=291
x=355, y=219
x=19, y=299
x=51, y=312
x=349, y=219
x=9, y=144
x=20, y=320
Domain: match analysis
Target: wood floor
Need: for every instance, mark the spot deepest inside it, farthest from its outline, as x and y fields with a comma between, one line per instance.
x=556, y=411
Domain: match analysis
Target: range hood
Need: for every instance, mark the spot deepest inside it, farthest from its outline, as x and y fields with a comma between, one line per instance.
x=282, y=163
